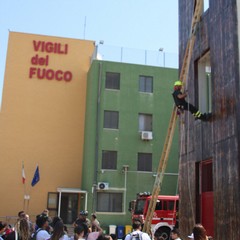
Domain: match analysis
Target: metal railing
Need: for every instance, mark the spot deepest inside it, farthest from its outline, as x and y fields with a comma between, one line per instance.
x=136, y=56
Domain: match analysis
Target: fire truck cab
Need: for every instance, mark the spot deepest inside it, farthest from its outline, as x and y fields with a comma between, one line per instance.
x=165, y=213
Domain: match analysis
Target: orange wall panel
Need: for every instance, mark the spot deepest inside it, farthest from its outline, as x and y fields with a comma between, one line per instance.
x=42, y=117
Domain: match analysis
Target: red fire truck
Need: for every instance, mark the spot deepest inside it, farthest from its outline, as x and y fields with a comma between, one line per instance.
x=165, y=214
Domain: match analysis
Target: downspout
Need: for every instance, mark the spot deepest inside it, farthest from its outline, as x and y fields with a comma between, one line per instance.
x=125, y=170
x=94, y=202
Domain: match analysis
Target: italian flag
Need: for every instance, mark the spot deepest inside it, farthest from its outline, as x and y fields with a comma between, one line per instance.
x=23, y=174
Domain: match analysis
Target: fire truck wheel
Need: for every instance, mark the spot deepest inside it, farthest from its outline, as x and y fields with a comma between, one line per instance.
x=163, y=233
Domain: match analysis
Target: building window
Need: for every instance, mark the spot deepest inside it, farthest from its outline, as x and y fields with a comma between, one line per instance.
x=109, y=202
x=52, y=203
x=109, y=159
x=204, y=84
x=146, y=84
x=111, y=119
x=205, y=5
x=112, y=80
x=52, y=200
x=145, y=122
x=145, y=162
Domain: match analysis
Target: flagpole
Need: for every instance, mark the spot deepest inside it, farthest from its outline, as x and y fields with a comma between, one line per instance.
x=24, y=185
x=23, y=203
x=25, y=191
x=29, y=198
x=28, y=201
x=28, y=204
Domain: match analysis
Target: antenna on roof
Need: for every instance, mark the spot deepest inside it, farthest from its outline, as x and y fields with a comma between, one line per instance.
x=85, y=23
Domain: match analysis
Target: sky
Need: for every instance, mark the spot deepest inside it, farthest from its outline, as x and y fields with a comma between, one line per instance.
x=136, y=24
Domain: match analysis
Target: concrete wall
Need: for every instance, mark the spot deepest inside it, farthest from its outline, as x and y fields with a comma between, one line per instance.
x=42, y=120
x=126, y=140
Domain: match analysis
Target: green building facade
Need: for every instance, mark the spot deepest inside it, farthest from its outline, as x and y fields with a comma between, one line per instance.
x=127, y=116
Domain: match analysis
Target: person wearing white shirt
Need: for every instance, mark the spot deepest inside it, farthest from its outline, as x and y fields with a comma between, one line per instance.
x=137, y=231
x=42, y=222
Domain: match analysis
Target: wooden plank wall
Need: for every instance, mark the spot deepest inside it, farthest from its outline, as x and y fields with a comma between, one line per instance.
x=220, y=139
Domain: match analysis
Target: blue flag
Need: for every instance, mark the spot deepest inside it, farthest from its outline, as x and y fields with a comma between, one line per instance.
x=36, y=177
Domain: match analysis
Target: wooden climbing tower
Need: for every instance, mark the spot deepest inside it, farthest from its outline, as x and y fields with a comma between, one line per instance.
x=172, y=123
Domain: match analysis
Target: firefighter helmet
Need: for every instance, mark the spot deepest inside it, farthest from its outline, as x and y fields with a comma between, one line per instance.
x=178, y=83
x=83, y=213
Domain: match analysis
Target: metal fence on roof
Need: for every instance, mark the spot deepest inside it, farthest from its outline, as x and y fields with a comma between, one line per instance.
x=136, y=56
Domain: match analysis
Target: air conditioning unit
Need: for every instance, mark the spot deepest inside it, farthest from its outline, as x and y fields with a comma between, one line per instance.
x=146, y=135
x=103, y=185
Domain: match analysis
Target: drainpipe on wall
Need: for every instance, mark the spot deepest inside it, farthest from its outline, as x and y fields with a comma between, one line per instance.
x=125, y=170
x=94, y=203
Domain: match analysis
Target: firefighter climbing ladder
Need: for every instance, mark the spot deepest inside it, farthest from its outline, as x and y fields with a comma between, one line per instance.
x=172, y=123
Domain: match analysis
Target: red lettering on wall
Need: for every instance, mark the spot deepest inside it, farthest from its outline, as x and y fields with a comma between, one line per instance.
x=36, y=60
x=55, y=47
x=50, y=74
x=40, y=74
x=66, y=48
x=32, y=72
x=39, y=62
x=50, y=47
x=67, y=76
x=36, y=45
x=59, y=75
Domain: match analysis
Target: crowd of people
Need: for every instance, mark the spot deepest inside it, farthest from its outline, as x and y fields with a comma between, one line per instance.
x=46, y=228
